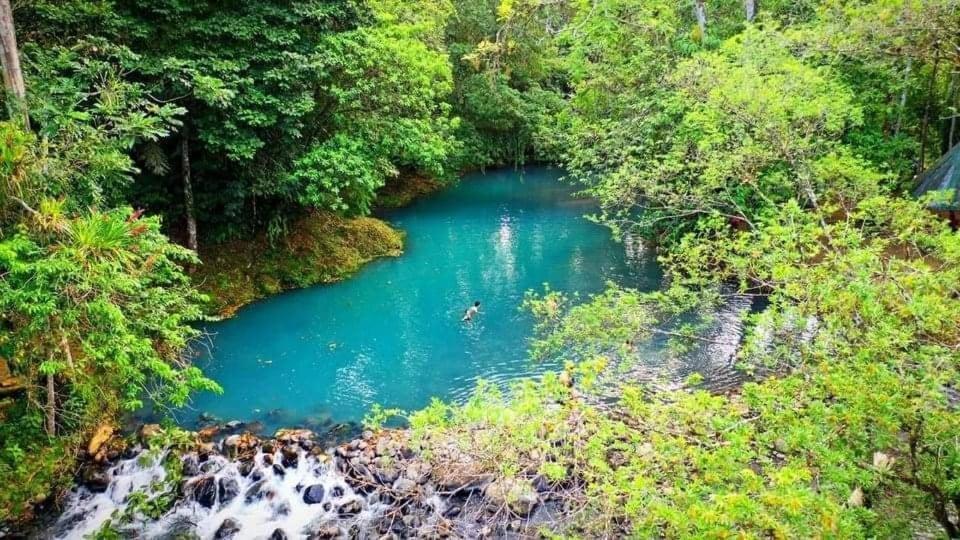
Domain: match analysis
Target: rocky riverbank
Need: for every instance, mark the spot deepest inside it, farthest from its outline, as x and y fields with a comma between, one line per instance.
x=230, y=483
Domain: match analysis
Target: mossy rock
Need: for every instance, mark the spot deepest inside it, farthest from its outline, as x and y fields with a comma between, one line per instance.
x=320, y=248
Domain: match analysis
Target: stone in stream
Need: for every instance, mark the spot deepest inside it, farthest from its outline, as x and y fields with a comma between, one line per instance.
x=190, y=467
x=228, y=489
x=350, y=508
x=291, y=456
x=254, y=492
x=233, y=425
x=95, y=478
x=246, y=467
x=517, y=495
x=228, y=529
x=313, y=494
x=404, y=486
x=278, y=469
x=278, y=534
x=205, y=491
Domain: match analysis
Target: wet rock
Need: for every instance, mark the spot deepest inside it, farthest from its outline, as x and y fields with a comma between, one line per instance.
x=228, y=529
x=205, y=491
x=387, y=474
x=268, y=459
x=418, y=471
x=313, y=494
x=294, y=436
x=206, y=418
x=190, y=466
x=337, y=491
x=350, y=508
x=96, y=479
x=291, y=455
x=246, y=467
x=132, y=451
x=254, y=492
x=281, y=509
x=211, y=466
x=404, y=486
x=278, y=534
x=233, y=425
x=453, y=511
x=326, y=532
x=278, y=469
x=254, y=428
x=208, y=433
x=228, y=489
x=517, y=495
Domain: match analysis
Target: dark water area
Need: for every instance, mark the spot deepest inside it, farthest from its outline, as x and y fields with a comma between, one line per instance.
x=393, y=334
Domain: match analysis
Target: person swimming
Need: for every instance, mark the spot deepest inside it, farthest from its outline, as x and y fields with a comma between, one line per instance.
x=471, y=311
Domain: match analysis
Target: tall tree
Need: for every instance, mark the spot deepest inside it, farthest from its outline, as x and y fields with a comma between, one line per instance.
x=12, y=74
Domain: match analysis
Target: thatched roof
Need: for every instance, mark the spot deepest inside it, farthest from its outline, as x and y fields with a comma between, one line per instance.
x=944, y=175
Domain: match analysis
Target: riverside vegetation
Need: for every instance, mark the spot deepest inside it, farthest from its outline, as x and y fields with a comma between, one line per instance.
x=766, y=145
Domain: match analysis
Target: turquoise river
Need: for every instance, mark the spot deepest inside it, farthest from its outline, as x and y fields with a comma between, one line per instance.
x=393, y=334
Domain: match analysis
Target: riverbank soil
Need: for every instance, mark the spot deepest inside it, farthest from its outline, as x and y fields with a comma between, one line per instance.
x=405, y=190
x=320, y=248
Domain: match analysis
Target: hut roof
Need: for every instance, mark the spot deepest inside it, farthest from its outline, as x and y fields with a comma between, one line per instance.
x=944, y=175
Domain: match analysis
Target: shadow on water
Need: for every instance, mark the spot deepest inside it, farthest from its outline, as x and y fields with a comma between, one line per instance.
x=393, y=334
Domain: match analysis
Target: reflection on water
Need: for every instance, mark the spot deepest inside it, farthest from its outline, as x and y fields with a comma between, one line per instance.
x=393, y=334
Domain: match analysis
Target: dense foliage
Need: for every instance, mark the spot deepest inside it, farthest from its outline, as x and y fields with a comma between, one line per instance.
x=767, y=148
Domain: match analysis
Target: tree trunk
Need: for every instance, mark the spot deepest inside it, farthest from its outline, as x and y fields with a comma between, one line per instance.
x=188, y=189
x=51, y=407
x=700, y=11
x=903, y=97
x=954, y=111
x=12, y=75
x=926, y=112
x=750, y=7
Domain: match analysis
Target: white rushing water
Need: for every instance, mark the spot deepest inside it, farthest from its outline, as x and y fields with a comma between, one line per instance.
x=265, y=500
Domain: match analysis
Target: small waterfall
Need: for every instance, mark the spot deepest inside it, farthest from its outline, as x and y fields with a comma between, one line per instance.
x=274, y=495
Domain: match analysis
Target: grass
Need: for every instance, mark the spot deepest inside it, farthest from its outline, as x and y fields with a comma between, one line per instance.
x=319, y=248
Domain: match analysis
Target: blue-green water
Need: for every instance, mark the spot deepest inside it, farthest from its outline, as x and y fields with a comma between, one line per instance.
x=393, y=334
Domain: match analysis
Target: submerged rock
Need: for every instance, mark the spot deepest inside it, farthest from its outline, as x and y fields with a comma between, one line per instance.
x=313, y=494
x=228, y=529
x=95, y=478
x=228, y=489
x=205, y=491
x=350, y=508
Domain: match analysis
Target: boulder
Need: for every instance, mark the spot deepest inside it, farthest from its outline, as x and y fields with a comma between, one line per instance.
x=233, y=425
x=517, y=495
x=204, y=491
x=278, y=534
x=208, y=433
x=100, y=437
x=404, y=486
x=254, y=492
x=313, y=494
x=228, y=489
x=294, y=436
x=291, y=455
x=96, y=479
x=190, y=466
x=228, y=529
x=418, y=471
